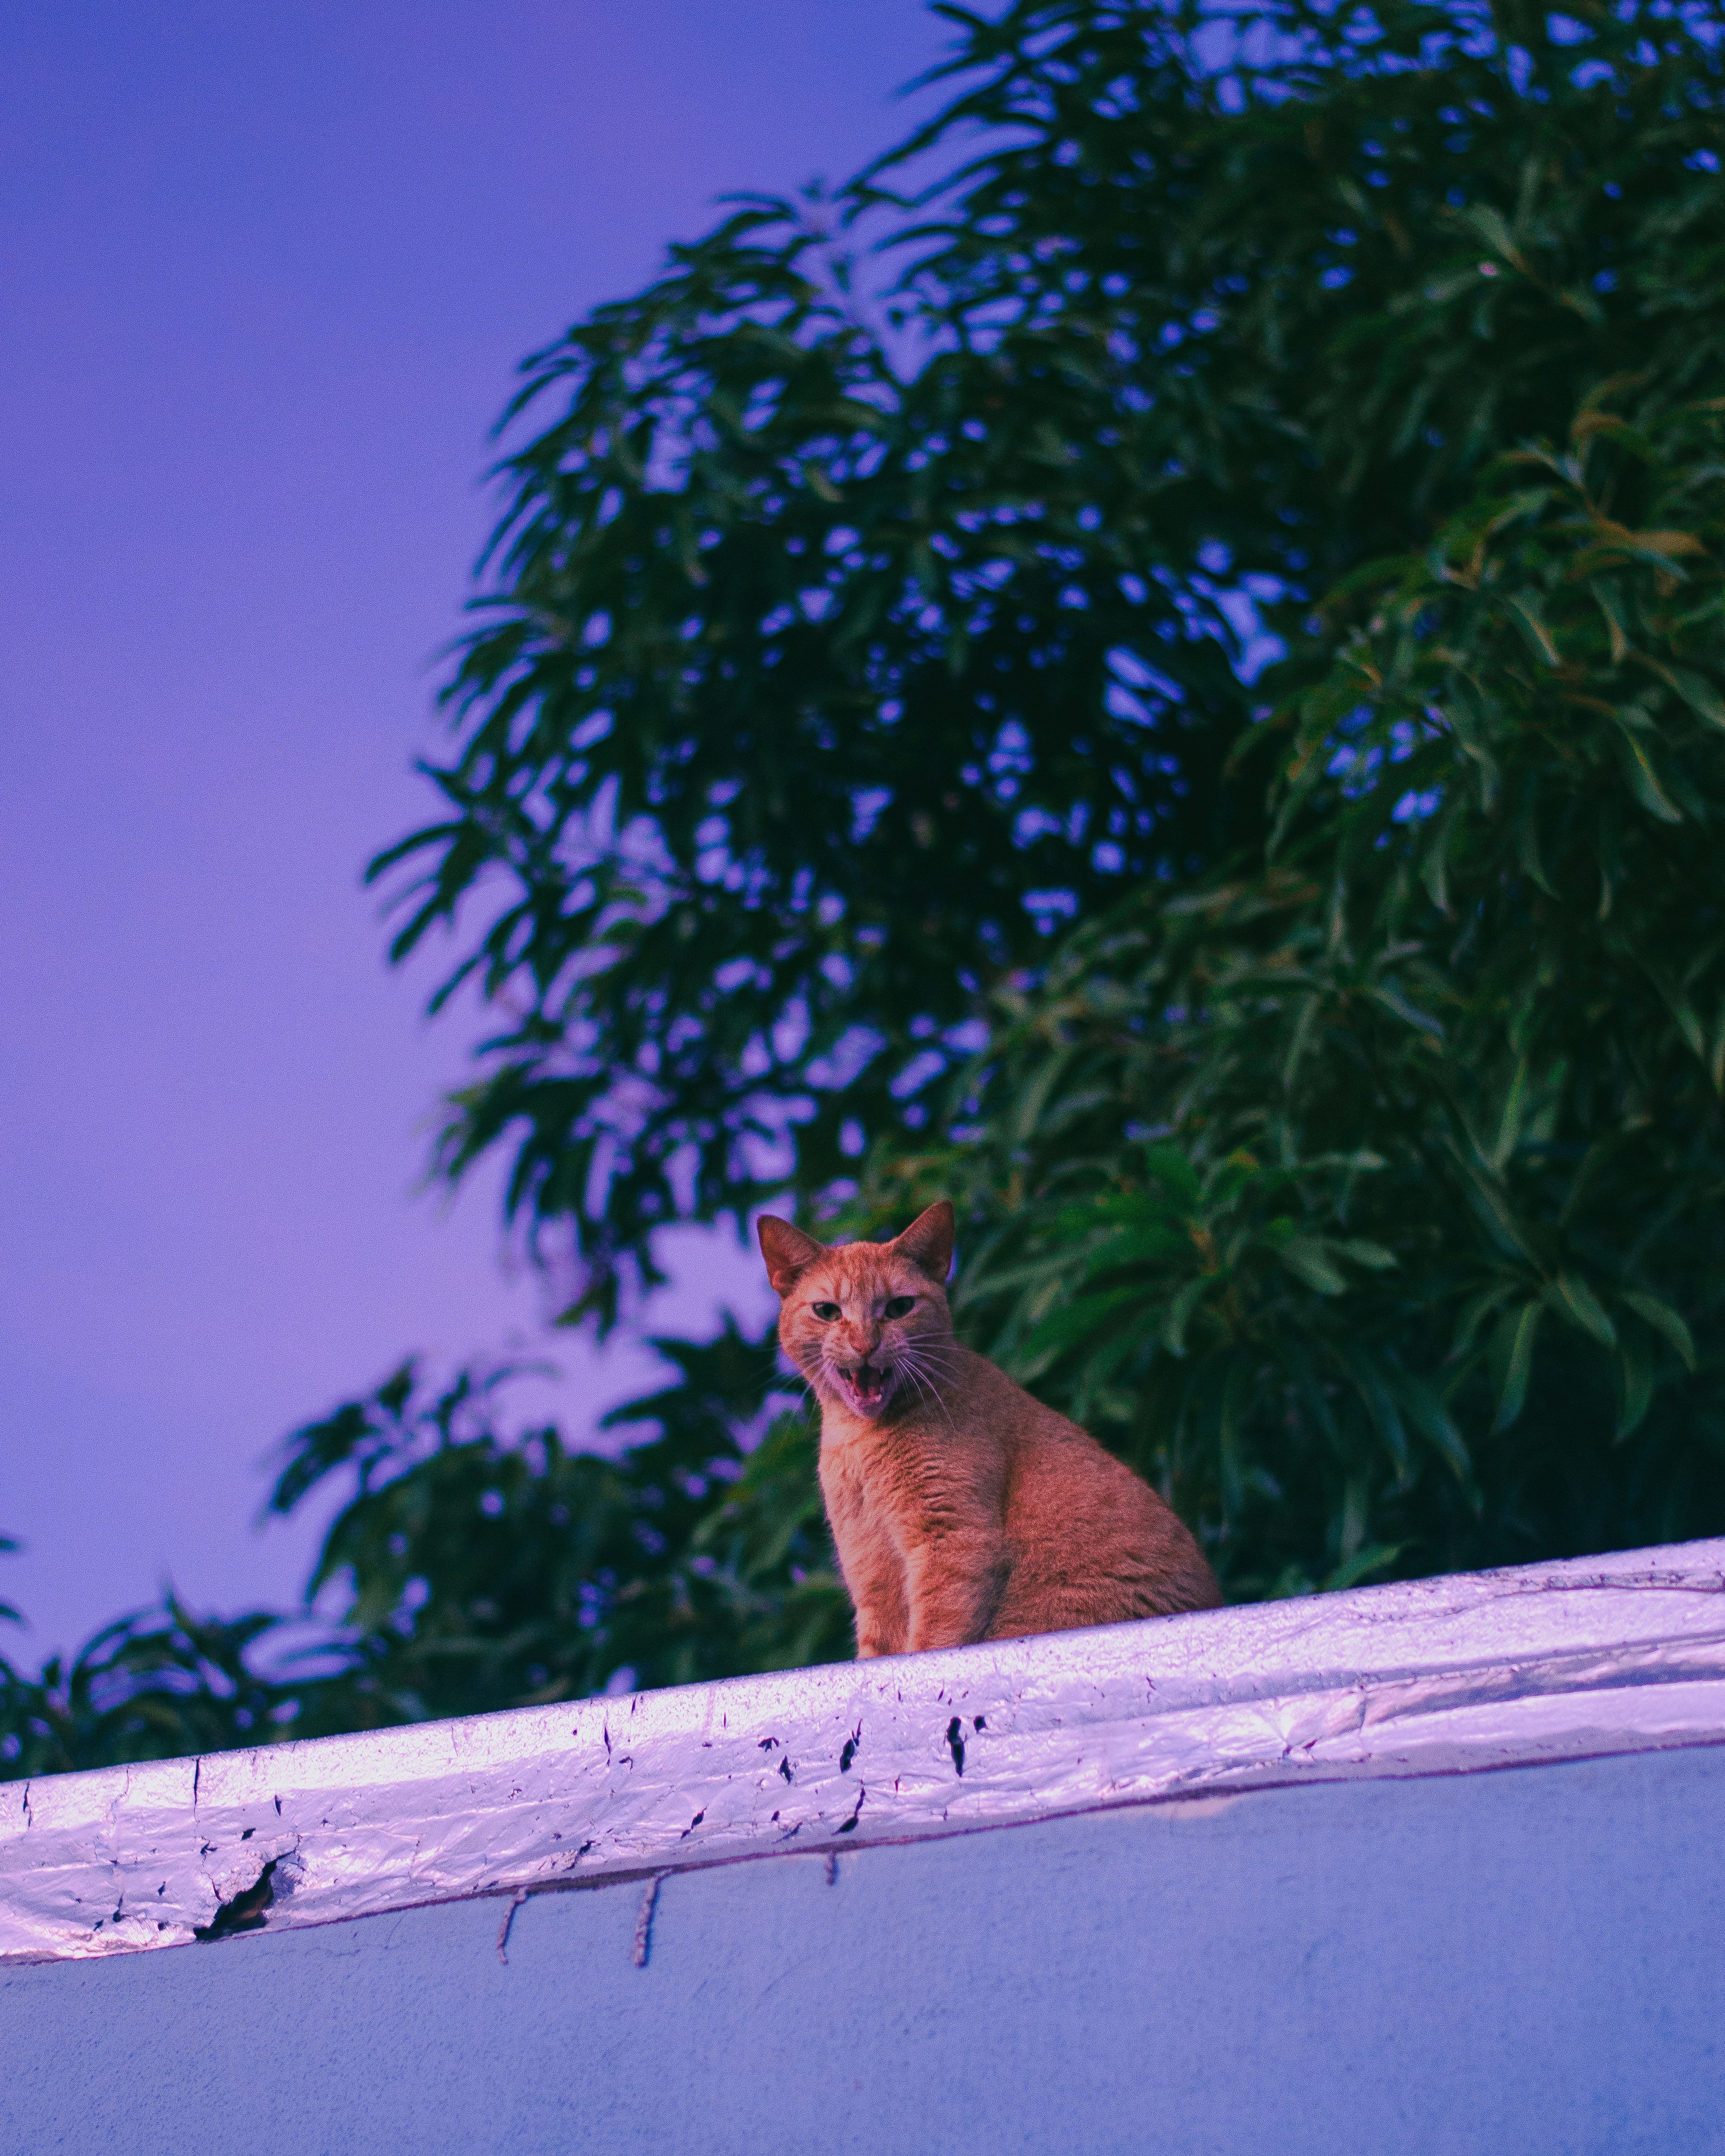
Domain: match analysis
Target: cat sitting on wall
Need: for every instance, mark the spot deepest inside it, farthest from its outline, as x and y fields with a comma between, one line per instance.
x=961, y=1508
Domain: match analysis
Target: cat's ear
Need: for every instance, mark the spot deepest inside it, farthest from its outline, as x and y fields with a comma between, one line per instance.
x=788, y=1252
x=927, y=1242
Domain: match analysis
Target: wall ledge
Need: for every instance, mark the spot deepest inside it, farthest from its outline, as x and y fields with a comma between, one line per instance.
x=1541, y=1663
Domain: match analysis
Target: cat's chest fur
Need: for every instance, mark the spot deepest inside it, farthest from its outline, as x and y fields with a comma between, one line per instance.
x=864, y=1474
x=875, y=1483
x=853, y=1511
x=898, y=1478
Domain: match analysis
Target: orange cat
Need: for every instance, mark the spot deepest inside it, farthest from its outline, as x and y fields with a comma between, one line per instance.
x=961, y=1508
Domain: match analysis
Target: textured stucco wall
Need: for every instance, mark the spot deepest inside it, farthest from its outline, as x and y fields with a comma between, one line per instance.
x=1527, y=1960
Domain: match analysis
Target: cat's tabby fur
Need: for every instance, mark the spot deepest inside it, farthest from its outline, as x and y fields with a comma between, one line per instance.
x=961, y=1508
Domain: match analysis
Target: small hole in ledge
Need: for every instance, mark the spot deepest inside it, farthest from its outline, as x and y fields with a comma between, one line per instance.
x=247, y=1912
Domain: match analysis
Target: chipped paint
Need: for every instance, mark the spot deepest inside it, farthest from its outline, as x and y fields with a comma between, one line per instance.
x=1545, y=1662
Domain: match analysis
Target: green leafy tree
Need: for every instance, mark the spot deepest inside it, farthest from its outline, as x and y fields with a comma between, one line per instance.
x=1368, y=1190
x=154, y=1686
x=1211, y=352
x=839, y=648
x=471, y=1567
x=477, y=1569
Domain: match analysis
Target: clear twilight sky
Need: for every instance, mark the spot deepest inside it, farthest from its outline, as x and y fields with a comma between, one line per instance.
x=264, y=276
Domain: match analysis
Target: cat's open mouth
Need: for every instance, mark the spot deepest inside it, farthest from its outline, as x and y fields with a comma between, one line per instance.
x=864, y=1386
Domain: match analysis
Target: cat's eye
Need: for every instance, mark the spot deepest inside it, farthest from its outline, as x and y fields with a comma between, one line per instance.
x=828, y=1310
x=901, y=1306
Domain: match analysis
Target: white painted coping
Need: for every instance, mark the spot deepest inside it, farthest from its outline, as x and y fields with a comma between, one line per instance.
x=1595, y=1656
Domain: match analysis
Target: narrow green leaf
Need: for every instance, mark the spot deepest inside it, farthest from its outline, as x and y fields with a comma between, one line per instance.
x=1635, y=1371
x=1179, y=1316
x=1610, y=605
x=1307, y=1259
x=1476, y=1311
x=1532, y=622
x=1584, y=1308
x=1644, y=779
x=1519, y=1364
x=1079, y=1320
x=1696, y=693
x=1683, y=1012
x=1491, y=228
x=1392, y=998
x=1376, y=1557
x=1492, y=1202
x=1509, y=1123
x=1368, y=1378
x=1355, y=1508
x=1435, y=861
x=1527, y=852
x=1664, y=1320
x=1433, y=1421
x=1134, y=1246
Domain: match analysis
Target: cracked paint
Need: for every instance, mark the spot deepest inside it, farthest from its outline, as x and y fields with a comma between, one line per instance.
x=1619, y=1654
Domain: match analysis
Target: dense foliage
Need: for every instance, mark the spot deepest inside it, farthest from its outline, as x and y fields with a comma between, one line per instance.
x=1371, y=1197
x=1180, y=699
x=829, y=665
x=473, y=1567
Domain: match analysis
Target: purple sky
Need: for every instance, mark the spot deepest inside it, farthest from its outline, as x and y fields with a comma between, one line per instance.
x=264, y=274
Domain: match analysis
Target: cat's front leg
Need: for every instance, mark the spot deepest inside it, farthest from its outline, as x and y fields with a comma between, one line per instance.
x=873, y=1638
x=874, y=1575
x=880, y=1626
x=955, y=1581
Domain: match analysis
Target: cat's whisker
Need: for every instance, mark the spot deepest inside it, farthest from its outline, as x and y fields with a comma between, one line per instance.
x=937, y=1346
x=935, y=1357
x=906, y=1370
x=914, y=1366
x=931, y=1351
x=924, y=1391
